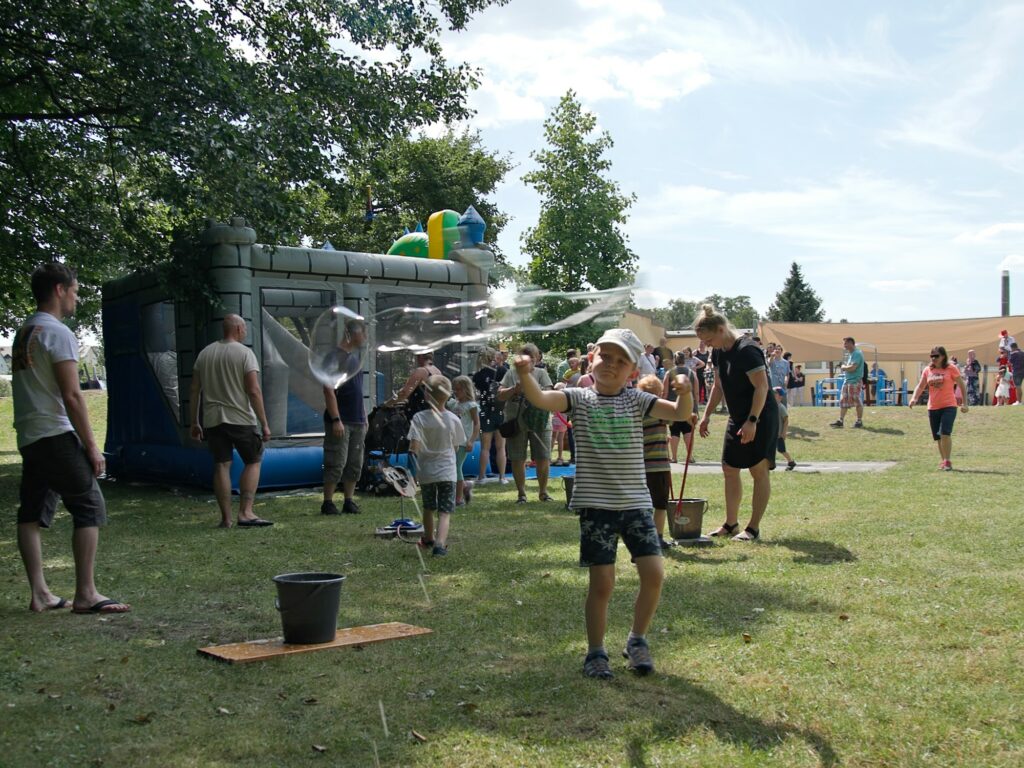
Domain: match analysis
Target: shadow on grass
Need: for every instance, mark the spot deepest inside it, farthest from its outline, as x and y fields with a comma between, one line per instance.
x=980, y=472
x=684, y=554
x=799, y=433
x=815, y=552
x=884, y=430
x=689, y=707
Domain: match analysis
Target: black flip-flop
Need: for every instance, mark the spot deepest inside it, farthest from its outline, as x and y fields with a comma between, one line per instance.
x=100, y=606
x=256, y=522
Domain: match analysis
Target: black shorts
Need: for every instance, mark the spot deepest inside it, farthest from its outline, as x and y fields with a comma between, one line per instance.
x=600, y=530
x=57, y=468
x=941, y=421
x=679, y=428
x=245, y=438
x=659, y=484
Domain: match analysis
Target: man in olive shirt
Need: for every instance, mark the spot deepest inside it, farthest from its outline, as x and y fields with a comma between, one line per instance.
x=227, y=376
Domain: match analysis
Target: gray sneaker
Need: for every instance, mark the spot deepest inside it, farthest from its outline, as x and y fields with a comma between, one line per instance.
x=596, y=665
x=639, y=655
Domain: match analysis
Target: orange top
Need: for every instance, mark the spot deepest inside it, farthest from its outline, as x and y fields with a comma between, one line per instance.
x=940, y=386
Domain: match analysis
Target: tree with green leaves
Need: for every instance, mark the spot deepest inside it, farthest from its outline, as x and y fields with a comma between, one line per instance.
x=796, y=302
x=578, y=243
x=124, y=122
x=738, y=309
x=408, y=179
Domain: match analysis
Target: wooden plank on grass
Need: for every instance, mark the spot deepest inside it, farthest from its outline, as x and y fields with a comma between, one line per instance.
x=260, y=650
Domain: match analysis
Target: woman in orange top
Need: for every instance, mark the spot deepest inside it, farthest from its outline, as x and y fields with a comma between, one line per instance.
x=941, y=378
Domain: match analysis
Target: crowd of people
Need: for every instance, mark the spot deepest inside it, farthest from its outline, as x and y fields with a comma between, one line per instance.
x=618, y=410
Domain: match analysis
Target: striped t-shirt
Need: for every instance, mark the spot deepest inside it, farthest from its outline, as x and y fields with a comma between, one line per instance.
x=656, y=445
x=610, y=471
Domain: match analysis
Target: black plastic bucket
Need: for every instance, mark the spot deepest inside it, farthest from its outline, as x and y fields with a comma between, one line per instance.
x=308, y=603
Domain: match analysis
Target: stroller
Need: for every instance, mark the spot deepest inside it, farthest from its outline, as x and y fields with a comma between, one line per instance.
x=385, y=436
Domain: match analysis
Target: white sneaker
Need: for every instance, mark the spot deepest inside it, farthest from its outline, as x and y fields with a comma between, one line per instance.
x=485, y=480
x=503, y=480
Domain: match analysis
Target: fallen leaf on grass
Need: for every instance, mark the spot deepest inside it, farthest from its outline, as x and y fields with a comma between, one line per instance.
x=319, y=748
x=466, y=706
x=844, y=617
x=417, y=736
x=143, y=719
x=747, y=638
x=223, y=711
x=311, y=700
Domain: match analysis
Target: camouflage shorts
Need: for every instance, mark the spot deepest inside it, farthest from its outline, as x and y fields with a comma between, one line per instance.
x=600, y=530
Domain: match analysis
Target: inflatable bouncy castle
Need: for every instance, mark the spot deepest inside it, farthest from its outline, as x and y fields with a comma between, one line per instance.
x=151, y=342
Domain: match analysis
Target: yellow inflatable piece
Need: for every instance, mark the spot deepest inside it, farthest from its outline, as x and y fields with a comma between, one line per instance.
x=442, y=233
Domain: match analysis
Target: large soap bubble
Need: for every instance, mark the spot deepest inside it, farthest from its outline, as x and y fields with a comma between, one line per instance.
x=335, y=348
x=428, y=328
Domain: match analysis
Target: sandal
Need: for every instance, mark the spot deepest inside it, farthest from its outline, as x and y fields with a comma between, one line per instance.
x=725, y=530
x=522, y=499
x=545, y=497
x=748, y=534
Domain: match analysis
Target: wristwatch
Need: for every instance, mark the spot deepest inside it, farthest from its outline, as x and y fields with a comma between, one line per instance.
x=334, y=419
x=752, y=419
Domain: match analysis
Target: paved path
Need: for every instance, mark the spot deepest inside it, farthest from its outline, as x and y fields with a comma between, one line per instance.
x=710, y=468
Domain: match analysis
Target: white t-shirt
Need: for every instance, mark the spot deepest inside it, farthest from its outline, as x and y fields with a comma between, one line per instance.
x=222, y=368
x=465, y=413
x=609, y=431
x=439, y=435
x=40, y=343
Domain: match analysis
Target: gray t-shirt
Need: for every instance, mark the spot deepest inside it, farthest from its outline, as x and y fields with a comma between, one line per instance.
x=222, y=368
x=609, y=432
x=42, y=342
x=439, y=434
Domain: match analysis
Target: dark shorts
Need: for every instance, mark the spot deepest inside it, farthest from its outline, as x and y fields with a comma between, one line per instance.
x=245, y=438
x=343, y=456
x=57, y=468
x=660, y=486
x=491, y=419
x=941, y=420
x=600, y=530
x=679, y=428
x=439, y=497
x=1018, y=379
x=780, y=446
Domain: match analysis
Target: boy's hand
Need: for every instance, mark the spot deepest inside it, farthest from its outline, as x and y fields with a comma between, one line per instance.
x=523, y=363
x=681, y=384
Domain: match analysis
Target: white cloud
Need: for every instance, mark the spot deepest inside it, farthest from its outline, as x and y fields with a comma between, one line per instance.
x=1014, y=263
x=902, y=286
x=976, y=92
x=990, y=232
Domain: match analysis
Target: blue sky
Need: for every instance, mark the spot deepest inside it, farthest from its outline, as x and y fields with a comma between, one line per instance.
x=878, y=145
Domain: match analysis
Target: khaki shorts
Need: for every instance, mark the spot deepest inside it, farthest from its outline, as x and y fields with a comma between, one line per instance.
x=343, y=456
x=540, y=445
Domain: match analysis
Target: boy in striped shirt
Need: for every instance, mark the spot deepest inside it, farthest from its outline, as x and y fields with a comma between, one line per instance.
x=610, y=493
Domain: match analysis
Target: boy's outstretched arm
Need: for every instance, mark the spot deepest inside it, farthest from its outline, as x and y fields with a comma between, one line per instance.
x=682, y=408
x=547, y=399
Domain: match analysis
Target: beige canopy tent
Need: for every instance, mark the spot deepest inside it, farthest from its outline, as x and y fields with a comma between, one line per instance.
x=906, y=341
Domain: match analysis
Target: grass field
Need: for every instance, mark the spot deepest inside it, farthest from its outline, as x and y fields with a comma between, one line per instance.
x=878, y=623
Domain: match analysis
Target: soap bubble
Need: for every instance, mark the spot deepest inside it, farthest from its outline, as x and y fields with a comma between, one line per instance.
x=427, y=328
x=335, y=347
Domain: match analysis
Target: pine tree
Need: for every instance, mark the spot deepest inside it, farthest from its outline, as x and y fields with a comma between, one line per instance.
x=796, y=302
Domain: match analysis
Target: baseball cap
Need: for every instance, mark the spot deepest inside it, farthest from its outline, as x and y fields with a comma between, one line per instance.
x=624, y=339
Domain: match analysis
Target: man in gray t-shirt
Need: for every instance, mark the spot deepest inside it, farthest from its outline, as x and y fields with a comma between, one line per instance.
x=60, y=457
x=226, y=374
